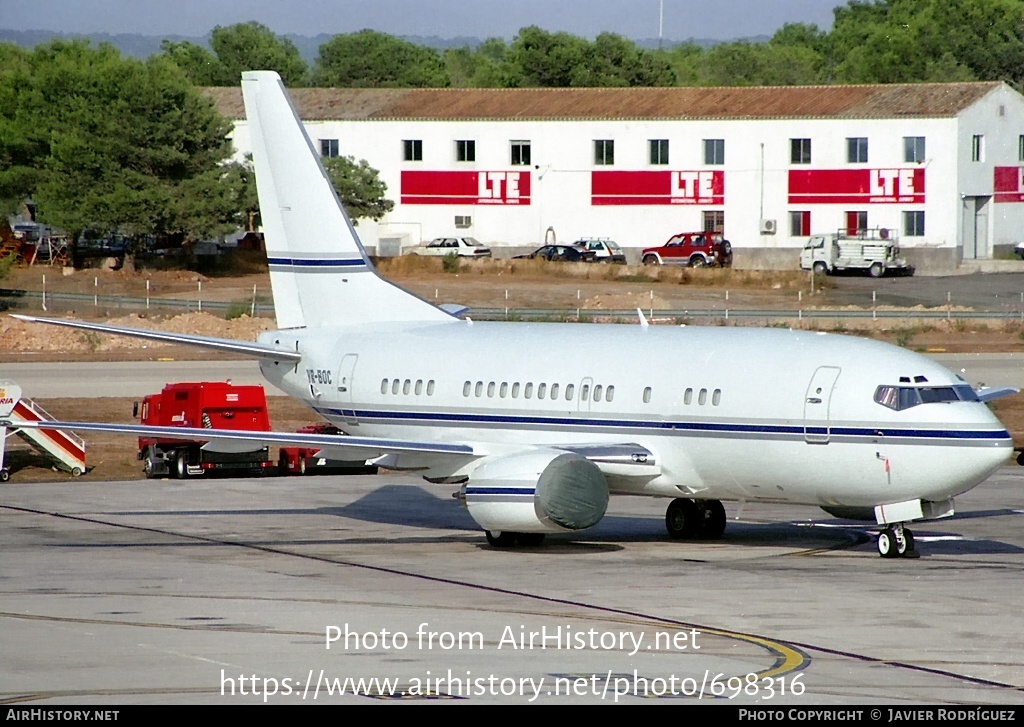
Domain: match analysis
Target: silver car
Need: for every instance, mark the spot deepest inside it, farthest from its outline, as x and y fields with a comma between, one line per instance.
x=461, y=246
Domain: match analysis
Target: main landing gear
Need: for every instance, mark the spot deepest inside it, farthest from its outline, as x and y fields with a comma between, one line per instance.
x=897, y=541
x=506, y=539
x=695, y=519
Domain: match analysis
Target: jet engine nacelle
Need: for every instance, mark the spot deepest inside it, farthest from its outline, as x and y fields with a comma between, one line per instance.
x=540, y=491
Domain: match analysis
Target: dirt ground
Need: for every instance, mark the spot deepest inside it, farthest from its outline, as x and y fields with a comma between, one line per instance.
x=493, y=284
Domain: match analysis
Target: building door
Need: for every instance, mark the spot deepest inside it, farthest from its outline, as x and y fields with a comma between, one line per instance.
x=975, y=228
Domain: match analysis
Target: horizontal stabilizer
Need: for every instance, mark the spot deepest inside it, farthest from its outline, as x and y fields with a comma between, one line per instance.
x=243, y=348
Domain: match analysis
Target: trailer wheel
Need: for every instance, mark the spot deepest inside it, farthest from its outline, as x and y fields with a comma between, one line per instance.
x=181, y=464
x=5, y=474
x=876, y=270
x=76, y=472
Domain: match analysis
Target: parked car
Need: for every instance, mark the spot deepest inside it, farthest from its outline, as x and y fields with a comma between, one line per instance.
x=696, y=249
x=560, y=253
x=461, y=246
x=605, y=250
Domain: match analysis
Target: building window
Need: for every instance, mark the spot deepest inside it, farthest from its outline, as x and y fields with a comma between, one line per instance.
x=714, y=220
x=857, y=150
x=913, y=149
x=465, y=150
x=520, y=153
x=714, y=151
x=329, y=148
x=658, y=150
x=463, y=222
x=604, y=151
x=412, y=150
x=978, y=148
x=856, y=223
x=800, y=223
x=800, y=151
x=913, y=223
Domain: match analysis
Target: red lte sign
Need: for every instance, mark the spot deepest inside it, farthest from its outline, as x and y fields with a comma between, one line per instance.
x=857, y=186
x=1008, y=184
x=465, y=187
x=662, y=187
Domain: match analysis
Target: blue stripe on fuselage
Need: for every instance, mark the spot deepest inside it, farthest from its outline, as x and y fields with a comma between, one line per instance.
x=666, y=426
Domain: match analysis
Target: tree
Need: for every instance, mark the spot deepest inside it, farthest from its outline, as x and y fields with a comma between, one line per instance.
x=237, y=48
x=479, y=68
x=538, y=58
x=359, y=187
x=369, y=59
x=113, y=143
x=254, y=47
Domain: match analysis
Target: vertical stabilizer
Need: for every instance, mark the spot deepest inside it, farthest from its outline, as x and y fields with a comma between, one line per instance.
x=319, y=272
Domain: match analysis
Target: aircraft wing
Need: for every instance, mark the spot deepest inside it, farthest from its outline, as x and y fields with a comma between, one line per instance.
x=241, y=440
x=988, y=393
x=244, y=348
x=617, y=461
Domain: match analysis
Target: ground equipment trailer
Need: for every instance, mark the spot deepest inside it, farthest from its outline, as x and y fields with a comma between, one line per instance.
x=872, y=251
x=212, y=405
x=65, y=449
x=305, y=460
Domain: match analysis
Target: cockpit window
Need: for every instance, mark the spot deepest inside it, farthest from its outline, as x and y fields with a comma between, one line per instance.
x=905, y=397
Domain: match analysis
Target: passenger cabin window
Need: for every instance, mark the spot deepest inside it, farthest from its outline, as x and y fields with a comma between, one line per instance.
x=384, y=386
x=467, y=388
x=554, y=391
x=688, y=397
x=609, y=394
x=647, y=395
x=570, y=389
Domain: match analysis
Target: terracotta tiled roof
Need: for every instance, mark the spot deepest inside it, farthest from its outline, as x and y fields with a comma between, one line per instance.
x=738, y=102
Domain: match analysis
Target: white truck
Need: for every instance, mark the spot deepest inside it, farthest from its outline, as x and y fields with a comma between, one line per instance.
x=874, y=251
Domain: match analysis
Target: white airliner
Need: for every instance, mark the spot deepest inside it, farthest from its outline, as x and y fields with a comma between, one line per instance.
x=540, y=422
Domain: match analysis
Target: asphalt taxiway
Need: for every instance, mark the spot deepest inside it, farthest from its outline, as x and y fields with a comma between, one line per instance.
x=223, y=591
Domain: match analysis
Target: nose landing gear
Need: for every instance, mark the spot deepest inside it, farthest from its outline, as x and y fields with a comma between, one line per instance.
x=896, y=541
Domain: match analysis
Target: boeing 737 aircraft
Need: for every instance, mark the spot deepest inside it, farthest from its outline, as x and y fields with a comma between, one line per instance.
x=540, y=422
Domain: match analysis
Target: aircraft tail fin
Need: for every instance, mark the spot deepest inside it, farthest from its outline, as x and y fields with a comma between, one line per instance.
x=319, y=272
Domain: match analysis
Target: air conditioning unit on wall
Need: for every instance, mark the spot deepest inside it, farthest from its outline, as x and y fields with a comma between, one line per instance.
x=768, y=227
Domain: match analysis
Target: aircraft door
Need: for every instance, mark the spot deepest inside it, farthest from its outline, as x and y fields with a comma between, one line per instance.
x=816, y=404
x=346, y=377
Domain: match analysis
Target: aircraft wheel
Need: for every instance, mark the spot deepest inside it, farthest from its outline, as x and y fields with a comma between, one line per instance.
x=500, y=539
x=887, y=544
x=530, y=540
x=906, y=548
x=714, y=518
x=683, y=518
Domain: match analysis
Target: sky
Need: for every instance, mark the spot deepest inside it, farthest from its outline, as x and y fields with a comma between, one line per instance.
x=683, y=19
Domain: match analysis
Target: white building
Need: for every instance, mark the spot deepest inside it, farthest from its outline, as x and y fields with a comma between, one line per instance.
x=941, y=166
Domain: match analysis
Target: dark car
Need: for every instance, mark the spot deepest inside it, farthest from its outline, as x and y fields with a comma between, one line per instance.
x=560, y=253
x=696, y=249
